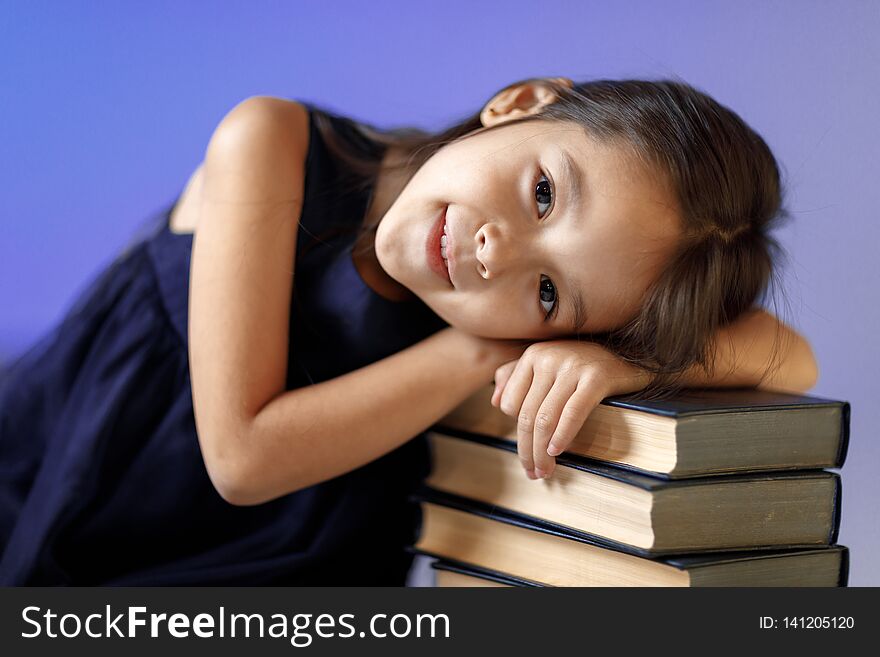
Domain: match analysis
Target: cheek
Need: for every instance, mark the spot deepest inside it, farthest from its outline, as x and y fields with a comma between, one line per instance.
x=483, y=317
x=454, y=310
x=462, y=177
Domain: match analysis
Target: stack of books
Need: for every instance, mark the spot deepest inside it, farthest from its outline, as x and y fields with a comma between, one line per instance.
x=714, y=487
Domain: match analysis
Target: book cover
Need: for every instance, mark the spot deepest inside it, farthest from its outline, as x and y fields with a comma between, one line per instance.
x=682, y=562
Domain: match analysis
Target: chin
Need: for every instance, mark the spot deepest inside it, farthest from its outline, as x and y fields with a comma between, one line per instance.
x=478, y=330
x=503, y=333
x=437, y=311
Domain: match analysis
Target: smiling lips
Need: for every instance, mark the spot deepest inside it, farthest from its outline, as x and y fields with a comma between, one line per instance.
x=446, y=249
x=439, y=249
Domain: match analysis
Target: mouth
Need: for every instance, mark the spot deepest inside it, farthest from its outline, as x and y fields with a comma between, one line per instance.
x=438, y=248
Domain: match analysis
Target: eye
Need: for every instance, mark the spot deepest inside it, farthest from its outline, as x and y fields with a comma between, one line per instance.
x=547, y=294
x=544, y=194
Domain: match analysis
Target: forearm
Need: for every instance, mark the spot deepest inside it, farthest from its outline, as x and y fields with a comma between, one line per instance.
x=758, y=350
x=311, y=434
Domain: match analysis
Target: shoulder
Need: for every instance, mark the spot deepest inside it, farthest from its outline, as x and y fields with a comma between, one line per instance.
x=265, y=128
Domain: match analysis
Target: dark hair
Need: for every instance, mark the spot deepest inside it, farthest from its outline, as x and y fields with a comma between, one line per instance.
x=728, y=187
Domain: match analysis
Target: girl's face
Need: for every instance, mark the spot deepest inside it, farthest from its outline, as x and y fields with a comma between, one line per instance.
x=549, y=232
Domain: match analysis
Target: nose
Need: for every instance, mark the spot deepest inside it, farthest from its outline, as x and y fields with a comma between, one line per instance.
x=496, y=250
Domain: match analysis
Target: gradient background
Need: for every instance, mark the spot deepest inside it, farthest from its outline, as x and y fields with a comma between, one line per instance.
x=106, y=108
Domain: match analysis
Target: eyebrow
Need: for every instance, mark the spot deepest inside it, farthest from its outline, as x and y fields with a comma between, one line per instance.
x=572, y=174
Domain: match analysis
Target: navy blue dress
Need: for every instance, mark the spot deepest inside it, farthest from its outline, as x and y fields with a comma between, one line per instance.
x=102, y=480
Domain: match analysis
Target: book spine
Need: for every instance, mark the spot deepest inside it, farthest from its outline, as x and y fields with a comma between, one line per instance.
x=844, y=435
x=835, y=519
x=844, y=567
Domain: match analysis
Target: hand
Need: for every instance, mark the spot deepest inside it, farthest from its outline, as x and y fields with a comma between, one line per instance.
x=552, y=389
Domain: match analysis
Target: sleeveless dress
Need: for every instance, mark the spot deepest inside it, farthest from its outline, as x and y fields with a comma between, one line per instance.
x=102, y=480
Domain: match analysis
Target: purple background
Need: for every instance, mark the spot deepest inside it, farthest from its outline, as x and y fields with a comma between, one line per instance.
x=107, y=107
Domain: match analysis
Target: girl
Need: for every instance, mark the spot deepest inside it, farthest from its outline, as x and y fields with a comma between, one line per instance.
x=234, y=400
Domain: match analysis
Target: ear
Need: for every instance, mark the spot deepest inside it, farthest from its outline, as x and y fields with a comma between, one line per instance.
x=521, y=99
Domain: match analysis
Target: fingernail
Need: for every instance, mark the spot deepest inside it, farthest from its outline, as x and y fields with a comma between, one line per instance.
x=553, y=450
x=531, y=474
x=541, y=473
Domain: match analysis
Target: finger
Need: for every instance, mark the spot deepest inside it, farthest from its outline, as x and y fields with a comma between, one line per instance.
x=546, y=421
x=502, y=375
x=516, y=386
x=510, y=401
x=576, y=411
x=525, y=425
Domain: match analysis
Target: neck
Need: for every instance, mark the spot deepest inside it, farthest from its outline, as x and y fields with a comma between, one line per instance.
x=388, y=186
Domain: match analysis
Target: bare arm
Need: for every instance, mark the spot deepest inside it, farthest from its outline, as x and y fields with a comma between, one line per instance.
x=312, y=434
x=249, y=204
x=759, y=350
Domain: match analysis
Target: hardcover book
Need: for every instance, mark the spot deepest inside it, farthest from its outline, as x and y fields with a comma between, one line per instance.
x=698, y=432
x=648, y=514
x=539, y=553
